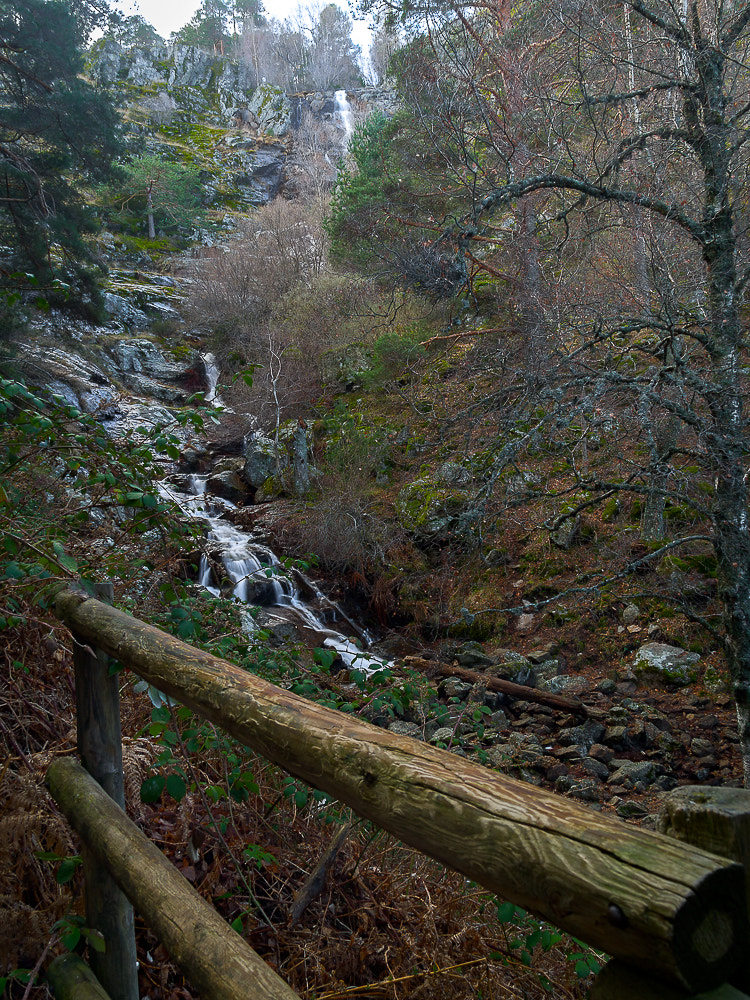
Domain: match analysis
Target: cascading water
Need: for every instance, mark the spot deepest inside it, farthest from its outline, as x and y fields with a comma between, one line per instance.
x=212, y=379
x=344, y=109
x=256, y=576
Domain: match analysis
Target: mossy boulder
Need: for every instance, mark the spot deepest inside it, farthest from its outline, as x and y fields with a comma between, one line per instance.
x=658, y=663
x=261, y=459
x=426, y=509
x=345, y=367
x=270, y=106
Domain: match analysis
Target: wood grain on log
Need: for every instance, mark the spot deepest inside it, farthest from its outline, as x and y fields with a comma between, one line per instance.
x=215, y=959
x=675, y=911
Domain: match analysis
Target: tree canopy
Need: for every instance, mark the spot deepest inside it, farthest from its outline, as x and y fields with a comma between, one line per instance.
x=56, y=134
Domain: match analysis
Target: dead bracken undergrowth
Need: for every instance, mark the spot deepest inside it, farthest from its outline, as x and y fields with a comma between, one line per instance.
x=388, y=923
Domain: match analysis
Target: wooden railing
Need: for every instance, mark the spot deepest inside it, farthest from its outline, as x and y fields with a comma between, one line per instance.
x=664, y=909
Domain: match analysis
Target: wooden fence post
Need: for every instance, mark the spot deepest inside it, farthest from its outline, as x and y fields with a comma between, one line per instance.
x=100, y=747
x=715, y=819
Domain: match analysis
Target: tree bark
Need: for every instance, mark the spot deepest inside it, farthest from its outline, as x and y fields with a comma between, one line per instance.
x=678, y=913
x=214, y=957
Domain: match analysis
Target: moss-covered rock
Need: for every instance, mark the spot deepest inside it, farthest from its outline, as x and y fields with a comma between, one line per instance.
x=426, y=509
x=656, y=662
x=345, y=367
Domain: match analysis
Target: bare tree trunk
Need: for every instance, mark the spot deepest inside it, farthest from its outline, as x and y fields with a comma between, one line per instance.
x=150, y=210
x=664, y=438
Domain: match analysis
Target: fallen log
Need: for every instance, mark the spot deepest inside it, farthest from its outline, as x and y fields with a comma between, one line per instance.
x=213, y=956
x=672, y=910
x=519, y=692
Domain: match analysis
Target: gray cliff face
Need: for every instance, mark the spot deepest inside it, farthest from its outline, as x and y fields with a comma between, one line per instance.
x=173, y=67
x=186, y=102
x=193, y=81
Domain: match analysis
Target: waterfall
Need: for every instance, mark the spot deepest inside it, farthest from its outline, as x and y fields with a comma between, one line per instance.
x=212, y=377
x=256, y=576
x=344, y=109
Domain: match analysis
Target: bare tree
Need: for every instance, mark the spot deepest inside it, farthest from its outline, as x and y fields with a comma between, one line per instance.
x=385, y=43
x=607, y=143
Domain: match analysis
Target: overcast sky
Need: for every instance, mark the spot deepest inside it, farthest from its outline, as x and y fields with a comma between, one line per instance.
x=169, y=15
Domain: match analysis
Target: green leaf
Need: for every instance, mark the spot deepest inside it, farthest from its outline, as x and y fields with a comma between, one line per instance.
x=152, y=788
x=176, y=787
x=505, y=912
x=71, y=939
x=95, y=939
x=67, y=869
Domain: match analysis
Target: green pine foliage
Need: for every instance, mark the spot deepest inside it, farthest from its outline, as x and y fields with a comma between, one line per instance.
x=361, y=192
x=57, y=133
x=175, y=191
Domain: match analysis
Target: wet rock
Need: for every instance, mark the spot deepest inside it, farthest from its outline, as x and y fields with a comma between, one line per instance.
x=228, y=485
x=148, y=371
x=120, y=309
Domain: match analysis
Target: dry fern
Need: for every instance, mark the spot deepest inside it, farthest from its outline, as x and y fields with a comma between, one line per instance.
x=30, y=898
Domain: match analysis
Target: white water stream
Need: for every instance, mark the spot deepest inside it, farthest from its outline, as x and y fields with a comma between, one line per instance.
x=344, y=109
x=257, y=578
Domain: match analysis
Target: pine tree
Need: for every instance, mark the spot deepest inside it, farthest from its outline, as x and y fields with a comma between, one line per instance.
x=56, y=134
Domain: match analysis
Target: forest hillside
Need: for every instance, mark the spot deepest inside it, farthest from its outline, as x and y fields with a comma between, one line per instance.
x=413, y=383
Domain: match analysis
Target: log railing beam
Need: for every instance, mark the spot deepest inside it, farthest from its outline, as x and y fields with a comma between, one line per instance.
x=213, y=956
x=674, y=911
